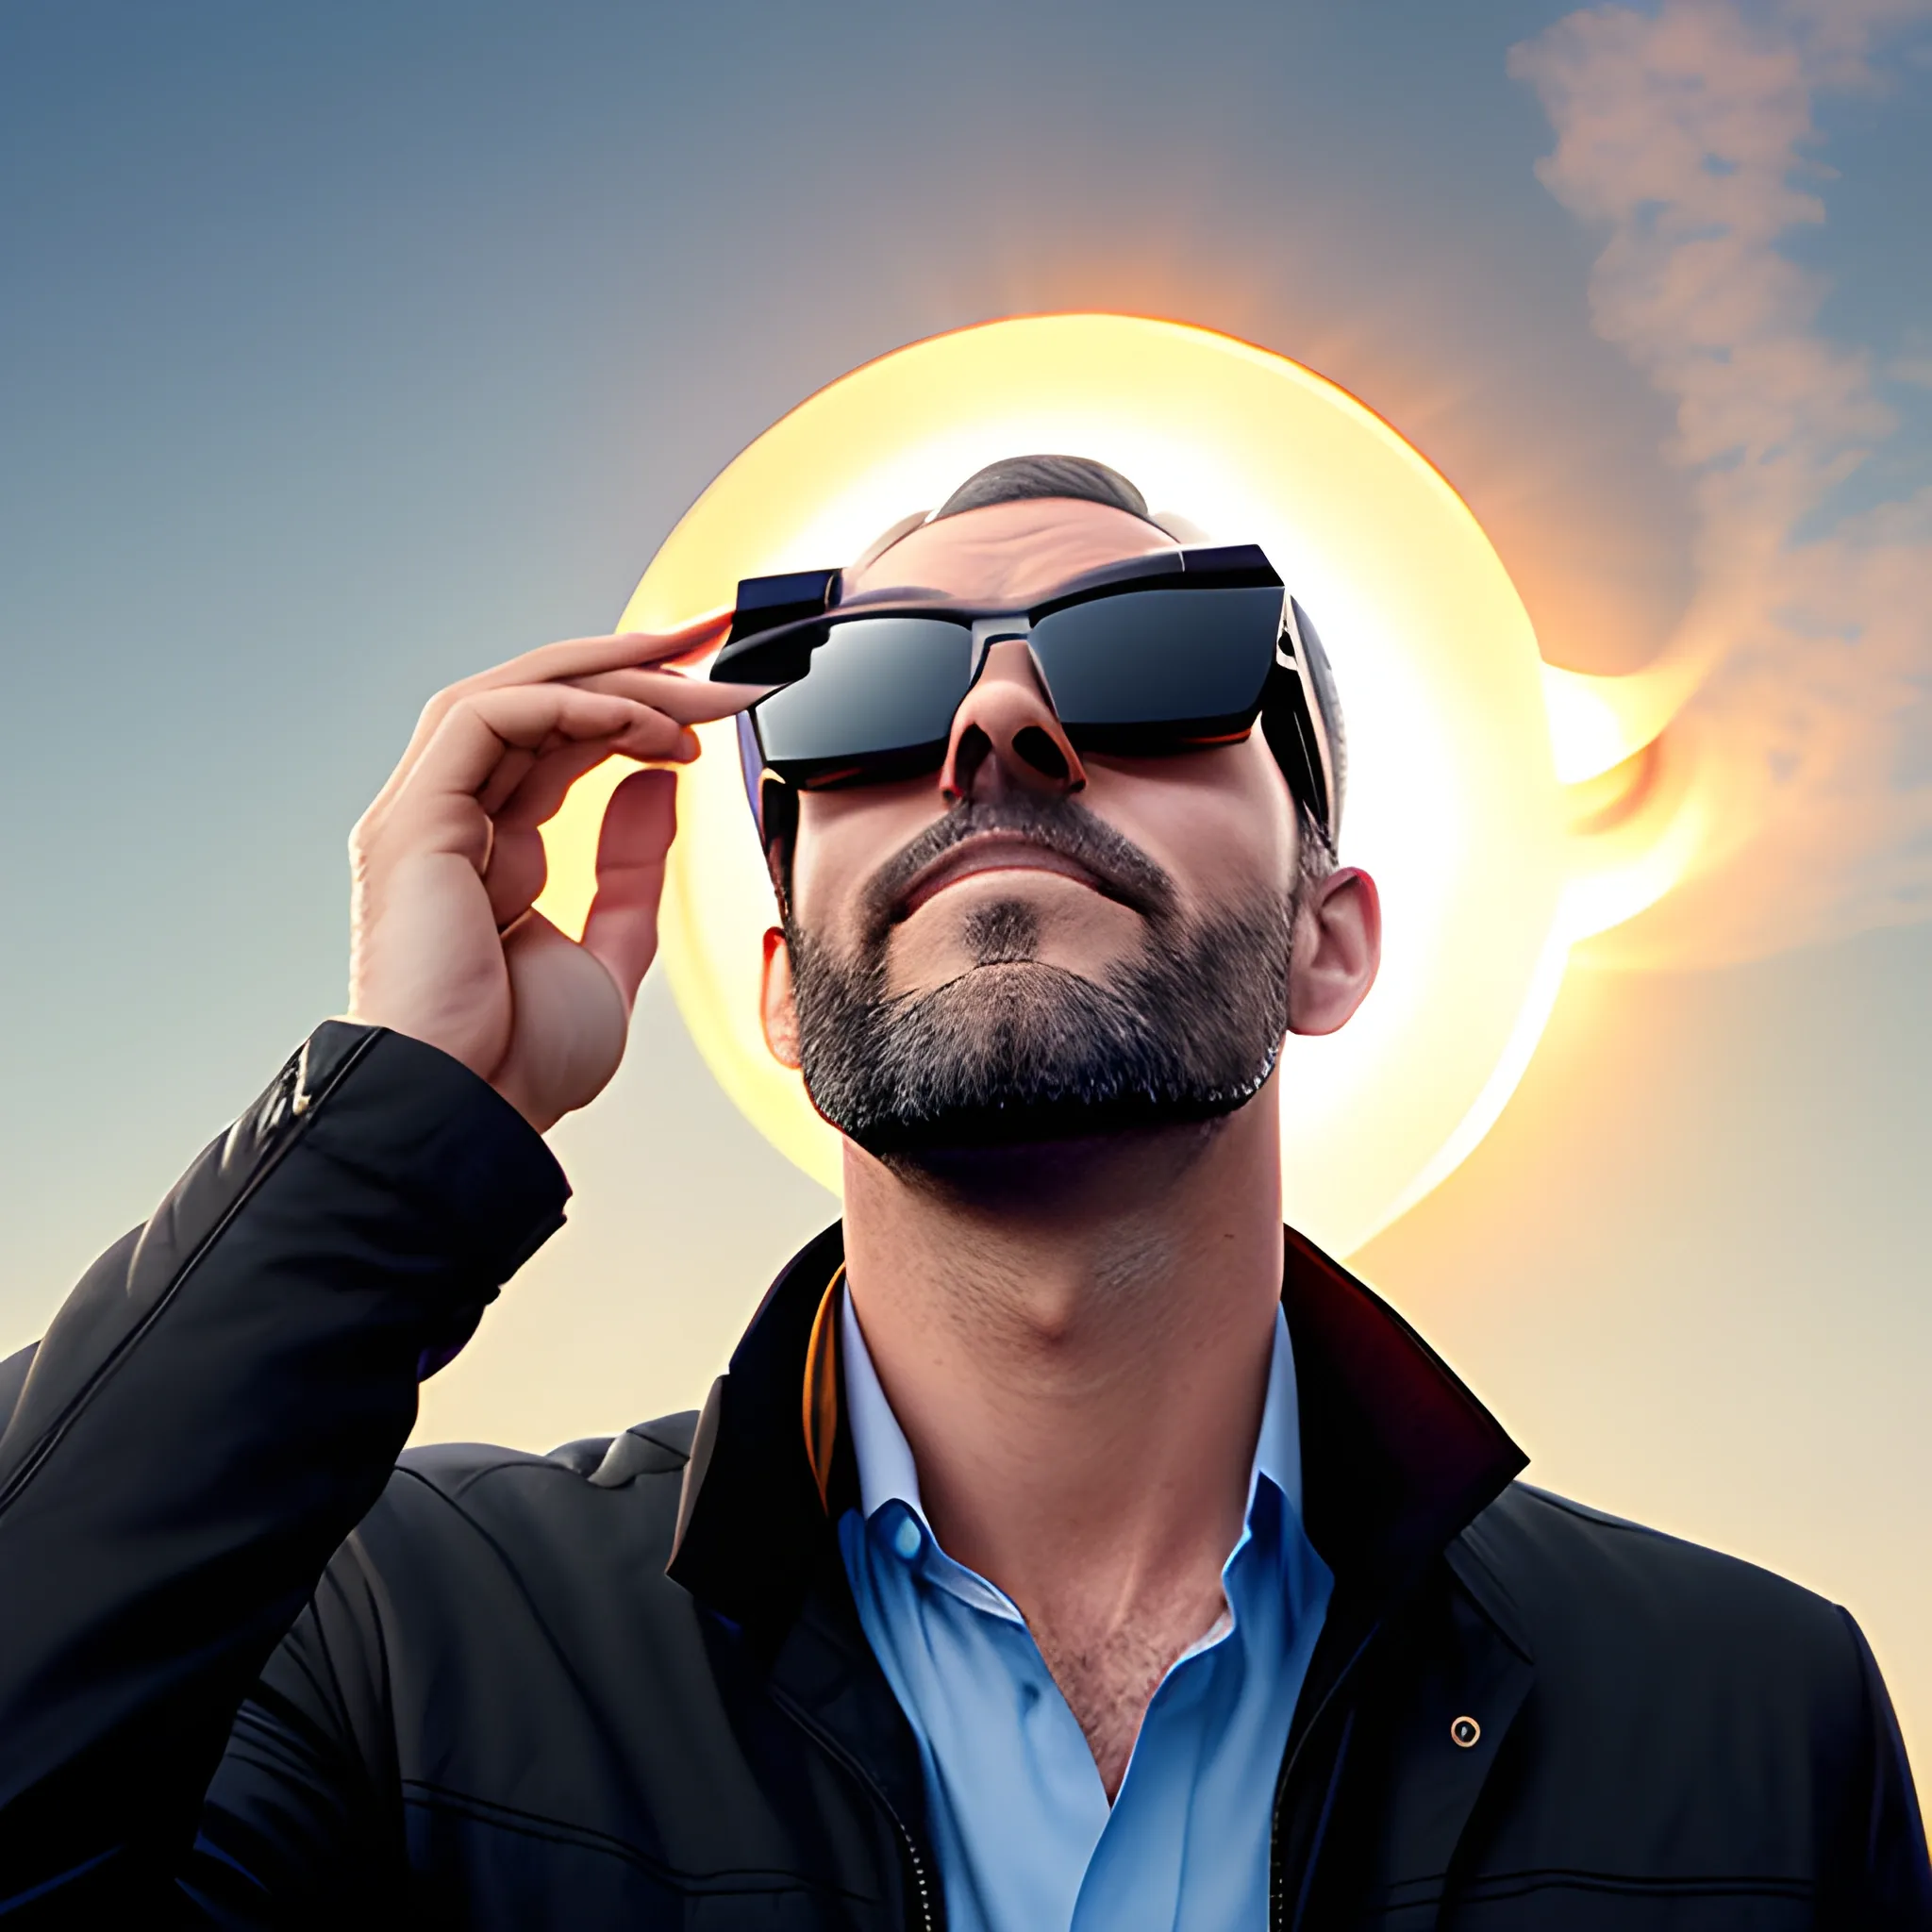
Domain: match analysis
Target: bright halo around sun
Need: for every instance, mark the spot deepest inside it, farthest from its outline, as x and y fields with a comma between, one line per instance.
x=1490, y=865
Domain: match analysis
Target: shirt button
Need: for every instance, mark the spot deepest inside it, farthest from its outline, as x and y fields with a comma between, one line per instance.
x=1465, y=1731
x=906, y=1539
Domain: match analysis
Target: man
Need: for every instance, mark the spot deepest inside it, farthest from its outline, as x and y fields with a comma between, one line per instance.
x=1066, y=1546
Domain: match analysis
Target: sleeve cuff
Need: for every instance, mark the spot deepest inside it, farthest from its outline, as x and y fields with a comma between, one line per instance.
x=382, y=1102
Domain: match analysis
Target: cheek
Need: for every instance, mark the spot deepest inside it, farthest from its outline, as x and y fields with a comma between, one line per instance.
x=1219, y=822
x=842, y=840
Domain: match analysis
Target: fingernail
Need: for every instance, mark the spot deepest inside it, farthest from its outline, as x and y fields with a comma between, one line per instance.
x=689, y=746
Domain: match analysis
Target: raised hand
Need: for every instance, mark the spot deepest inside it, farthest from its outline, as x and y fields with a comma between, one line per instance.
x=448, y=860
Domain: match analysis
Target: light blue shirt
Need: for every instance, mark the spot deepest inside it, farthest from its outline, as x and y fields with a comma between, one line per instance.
x=1025, y=1838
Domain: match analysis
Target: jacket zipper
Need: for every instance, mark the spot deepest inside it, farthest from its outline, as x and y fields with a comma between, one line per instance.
x=926, y=1921
x=1275, y=1921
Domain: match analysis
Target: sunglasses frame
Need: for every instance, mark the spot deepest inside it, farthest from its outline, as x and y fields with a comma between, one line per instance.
x=779, y=622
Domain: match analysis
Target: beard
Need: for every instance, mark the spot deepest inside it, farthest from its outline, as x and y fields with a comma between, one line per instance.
x=1015, y=1050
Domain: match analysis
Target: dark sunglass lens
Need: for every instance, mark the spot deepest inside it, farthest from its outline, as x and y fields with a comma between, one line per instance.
x=1152, y=660
x=882, y=689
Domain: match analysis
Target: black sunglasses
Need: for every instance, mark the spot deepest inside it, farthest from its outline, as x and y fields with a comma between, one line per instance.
x=1155, y=654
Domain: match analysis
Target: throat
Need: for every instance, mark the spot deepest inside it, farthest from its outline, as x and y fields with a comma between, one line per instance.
x=1078, y=1357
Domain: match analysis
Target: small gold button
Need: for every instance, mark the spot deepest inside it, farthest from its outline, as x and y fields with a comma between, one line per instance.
x=1465, y=1731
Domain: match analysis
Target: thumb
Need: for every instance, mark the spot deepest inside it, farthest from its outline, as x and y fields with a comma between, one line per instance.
x=621, y=934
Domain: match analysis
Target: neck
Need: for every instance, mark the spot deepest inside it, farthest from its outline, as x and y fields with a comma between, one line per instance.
x=1076, y=1338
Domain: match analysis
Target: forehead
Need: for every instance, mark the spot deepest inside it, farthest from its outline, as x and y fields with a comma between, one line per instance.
x=1009, y=552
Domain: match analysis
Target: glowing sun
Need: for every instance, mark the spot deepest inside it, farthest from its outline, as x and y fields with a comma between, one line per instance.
x=1496, y=800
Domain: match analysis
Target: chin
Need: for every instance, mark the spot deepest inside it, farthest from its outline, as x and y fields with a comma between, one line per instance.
x=1013, y=1051
x=1023, y=1052
x=1003, y=1127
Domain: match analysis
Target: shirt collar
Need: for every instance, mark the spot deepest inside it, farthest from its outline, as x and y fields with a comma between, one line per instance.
x=887, y=1473
x=1399, y=1454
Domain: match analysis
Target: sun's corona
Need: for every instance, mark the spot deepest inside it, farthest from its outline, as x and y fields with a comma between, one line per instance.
x=1453, y=798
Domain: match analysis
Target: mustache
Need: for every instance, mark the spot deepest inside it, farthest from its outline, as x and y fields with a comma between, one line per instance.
x=1058, y=824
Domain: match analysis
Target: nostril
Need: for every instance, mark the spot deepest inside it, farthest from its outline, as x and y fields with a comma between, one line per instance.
x=1037, y=748
x=968, y=754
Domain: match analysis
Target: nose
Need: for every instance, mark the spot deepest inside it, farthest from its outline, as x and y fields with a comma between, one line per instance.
x=1006, y=736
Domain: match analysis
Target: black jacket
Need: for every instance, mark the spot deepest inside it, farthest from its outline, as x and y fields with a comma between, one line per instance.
x=255, y=1672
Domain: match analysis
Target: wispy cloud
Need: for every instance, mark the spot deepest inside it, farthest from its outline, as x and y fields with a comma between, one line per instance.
x=1688, y=136
x=1913, y=363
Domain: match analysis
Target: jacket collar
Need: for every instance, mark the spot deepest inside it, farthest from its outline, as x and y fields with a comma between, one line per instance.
x=1397, y=1456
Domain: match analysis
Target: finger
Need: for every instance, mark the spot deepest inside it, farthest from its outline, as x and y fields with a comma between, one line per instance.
x=639, y=823
x=510, y=771
x=438, y=807
x=544, y=786
x=518, y=865
x=489, y=727
x=517, y=872
x=586, y=656
x=568, y=658
x=518, y=868
x=571, y=1024
x=690, y=700
x=566, y=759
x=650, y=736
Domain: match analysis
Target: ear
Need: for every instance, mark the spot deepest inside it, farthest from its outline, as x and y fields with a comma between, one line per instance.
x=1338, y=950
x=774, y=997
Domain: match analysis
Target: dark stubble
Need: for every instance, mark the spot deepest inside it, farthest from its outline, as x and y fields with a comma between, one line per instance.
x=1015, y=1050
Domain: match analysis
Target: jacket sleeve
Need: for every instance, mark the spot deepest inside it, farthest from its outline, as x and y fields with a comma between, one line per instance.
x=211, y=1412
x=1880, y=1877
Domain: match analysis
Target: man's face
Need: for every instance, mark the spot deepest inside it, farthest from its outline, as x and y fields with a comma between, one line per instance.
x=1032, y=942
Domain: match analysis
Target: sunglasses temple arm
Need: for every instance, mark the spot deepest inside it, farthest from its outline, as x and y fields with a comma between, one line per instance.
x=751, y=764
x=1294, y=737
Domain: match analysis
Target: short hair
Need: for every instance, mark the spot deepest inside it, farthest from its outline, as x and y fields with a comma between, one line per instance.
x=1019, y=480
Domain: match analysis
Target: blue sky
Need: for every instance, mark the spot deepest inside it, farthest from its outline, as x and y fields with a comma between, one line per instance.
x=345, y=349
